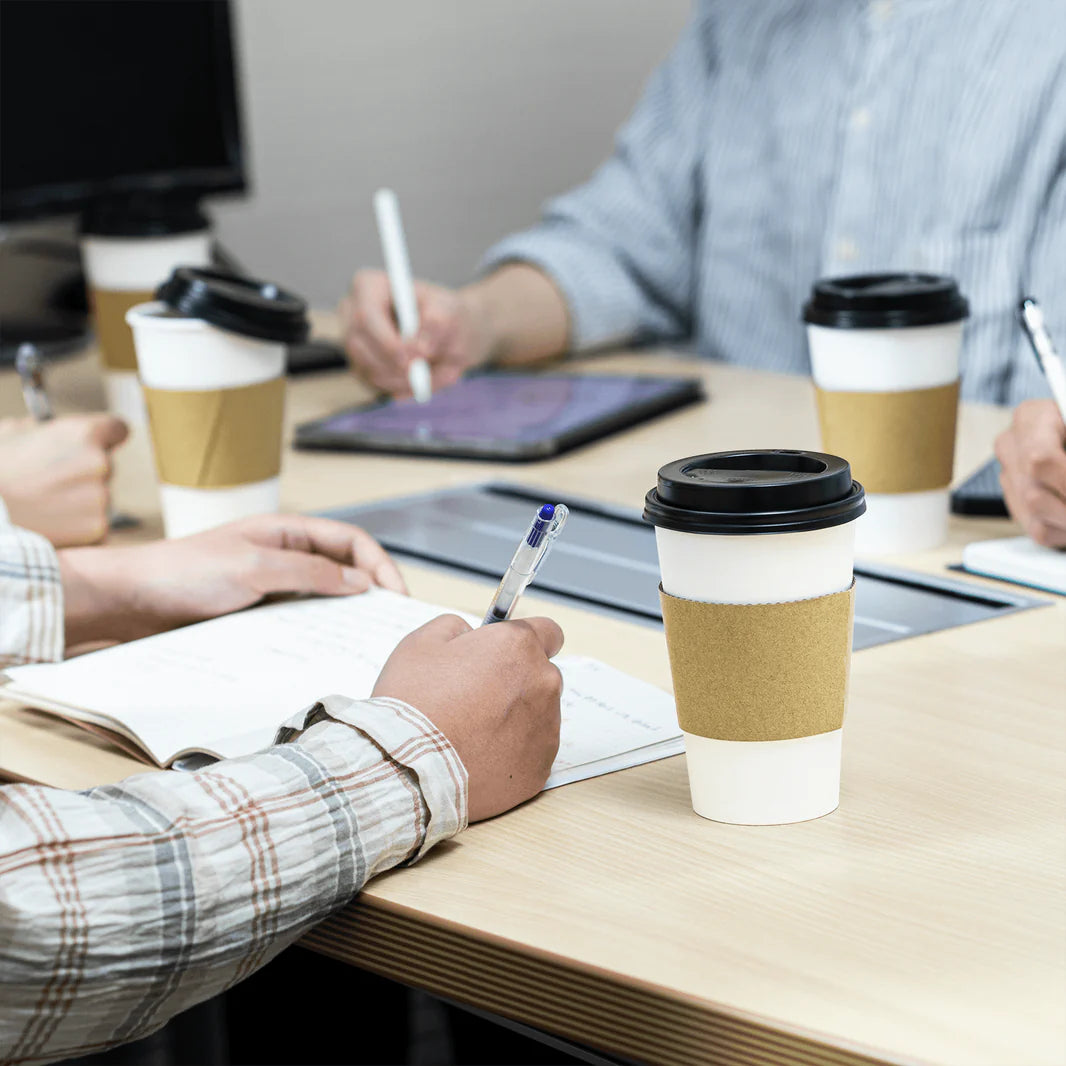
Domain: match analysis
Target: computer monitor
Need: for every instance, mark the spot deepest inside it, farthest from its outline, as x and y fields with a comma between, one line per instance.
x=113, y=101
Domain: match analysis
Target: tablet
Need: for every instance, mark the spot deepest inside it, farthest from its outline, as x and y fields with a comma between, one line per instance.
x=508, y=416
x=981, y=494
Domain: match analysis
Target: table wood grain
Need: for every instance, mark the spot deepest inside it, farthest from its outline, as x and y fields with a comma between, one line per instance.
x=922, y=922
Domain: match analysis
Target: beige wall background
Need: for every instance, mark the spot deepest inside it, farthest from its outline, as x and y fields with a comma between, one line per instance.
x=475, y=111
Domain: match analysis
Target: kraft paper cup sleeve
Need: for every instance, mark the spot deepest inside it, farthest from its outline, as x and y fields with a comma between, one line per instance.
x=763, y=671
x=217, y=438
x=895, y=441
x=113, y=335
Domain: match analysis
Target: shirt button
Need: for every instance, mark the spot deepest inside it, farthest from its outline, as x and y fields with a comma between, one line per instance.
x=881, y=10
x=860, y=118
x=846, y=250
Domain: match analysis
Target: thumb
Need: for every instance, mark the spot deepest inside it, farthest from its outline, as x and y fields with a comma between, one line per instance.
x=440, y=630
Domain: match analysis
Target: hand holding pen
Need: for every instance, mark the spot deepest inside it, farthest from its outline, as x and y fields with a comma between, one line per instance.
x=54, y=472
x=1032, y=452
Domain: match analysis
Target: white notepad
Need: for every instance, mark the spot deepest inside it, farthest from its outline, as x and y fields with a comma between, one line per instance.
x=1017, y=559
x=224, y=687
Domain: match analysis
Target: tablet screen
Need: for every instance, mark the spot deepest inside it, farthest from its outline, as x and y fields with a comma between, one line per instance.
x=503, y=407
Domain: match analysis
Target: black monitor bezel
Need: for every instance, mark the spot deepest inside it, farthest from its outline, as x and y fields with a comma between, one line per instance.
x=66, y=198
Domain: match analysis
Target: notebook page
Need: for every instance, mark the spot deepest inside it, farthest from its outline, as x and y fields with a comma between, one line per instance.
x=608, y=713
x=224, y=686
x=1020, y=560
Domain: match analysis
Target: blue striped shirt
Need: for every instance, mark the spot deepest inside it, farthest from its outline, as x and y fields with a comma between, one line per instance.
x=784, y=140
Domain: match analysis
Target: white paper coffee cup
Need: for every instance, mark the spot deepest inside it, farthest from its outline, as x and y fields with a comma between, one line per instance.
x=793, y=520
x=898, y=336
x=122, y=272
x=212, y=363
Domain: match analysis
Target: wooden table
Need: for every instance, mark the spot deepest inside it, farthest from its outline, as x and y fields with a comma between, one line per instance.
x=924, y=921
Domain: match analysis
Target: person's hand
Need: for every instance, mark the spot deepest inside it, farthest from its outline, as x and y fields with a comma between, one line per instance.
x=127, y=592
x=493, y=693
x=1032, y=453
x=452, y=336
x=54, y=475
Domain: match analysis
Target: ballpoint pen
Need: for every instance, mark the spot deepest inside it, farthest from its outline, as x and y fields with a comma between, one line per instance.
x=529, y=555
x=1050, y=362
x=30, y=369
x=401, y=284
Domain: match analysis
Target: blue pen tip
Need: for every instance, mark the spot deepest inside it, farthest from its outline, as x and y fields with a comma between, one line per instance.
x=546, y=512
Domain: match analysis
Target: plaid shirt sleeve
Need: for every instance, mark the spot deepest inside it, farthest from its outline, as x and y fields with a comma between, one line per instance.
x=31, y=597
x=122, y=906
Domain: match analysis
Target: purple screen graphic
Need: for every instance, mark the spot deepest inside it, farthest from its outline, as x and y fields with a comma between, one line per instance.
x=509, y=407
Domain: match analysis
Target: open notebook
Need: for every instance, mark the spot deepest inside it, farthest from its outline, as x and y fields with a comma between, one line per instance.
x=223, y=687
x=1020, y=560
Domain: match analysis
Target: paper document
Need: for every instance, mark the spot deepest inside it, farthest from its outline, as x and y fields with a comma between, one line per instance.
x=226, y=685
x=1020, y=560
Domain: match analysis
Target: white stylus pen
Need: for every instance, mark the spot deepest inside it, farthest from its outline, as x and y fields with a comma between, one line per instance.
x=1044, y=350
x=398, y=267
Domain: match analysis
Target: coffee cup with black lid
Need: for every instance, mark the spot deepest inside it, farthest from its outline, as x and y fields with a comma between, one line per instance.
x=756, y=550
x=885, y=361
x=128, y=249
x=211, y=355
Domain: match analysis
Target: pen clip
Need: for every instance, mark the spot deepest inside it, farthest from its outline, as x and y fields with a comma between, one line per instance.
x=562, y=513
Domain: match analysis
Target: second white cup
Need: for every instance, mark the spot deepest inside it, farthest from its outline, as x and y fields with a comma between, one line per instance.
x=212, y=361
x=885, y=361
x=126, y=256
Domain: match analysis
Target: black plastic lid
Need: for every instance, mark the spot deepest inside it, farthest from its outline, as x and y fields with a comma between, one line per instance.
x=755, y=492
x=885, y=301
x=139, y=216
x=241, y=305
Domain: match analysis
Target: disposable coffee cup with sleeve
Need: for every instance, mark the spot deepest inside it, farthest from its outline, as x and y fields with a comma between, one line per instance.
x=756, y=550
x=885, y=361
x=211, y=355
x=127, y=252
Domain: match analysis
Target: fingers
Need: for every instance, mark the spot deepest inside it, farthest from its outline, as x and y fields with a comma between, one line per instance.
x=1042, y=514
x=106, y=431
x=79, y=515
x=547, y=632
x=97, y=431
x=371, y=556
x=440, y=630
x=436, y=317
x=276, y=570
x=342, y=543
x=1035, y=446
x=375, y=368
x=1033, y=460
x=372, y=338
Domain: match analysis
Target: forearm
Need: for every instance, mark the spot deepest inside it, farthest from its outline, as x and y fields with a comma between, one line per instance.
x=106, y=595
x=523, y=315
x=89, y=613
x=126, y=905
